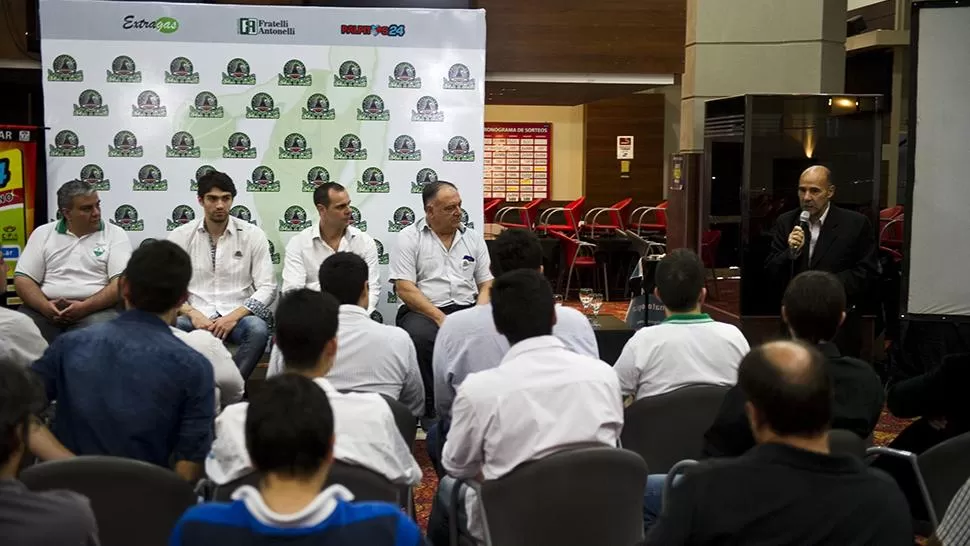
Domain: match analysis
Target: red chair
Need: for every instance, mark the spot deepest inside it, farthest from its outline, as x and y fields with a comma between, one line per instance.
x=570, y=214
x=710, y=240
x=887, y=214
x=491, y=207
x=660, y=216
x=572, y=248
x=614, y=214
x=527, y=214
x=891, y=234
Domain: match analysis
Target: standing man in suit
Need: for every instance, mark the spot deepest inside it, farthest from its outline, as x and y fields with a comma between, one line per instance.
x=837, y=240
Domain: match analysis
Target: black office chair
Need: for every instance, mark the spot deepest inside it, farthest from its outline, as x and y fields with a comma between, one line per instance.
x=670, y=427
x=846, y=442
x=134, y=502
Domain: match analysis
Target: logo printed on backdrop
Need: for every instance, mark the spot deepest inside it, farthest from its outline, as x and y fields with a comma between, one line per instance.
x=424, y=177
x=391, y=294
x=165, y=25
x=294, y=219
x=240, y=212
x=350, y=148
x=150, y=179
x=125, y=145
x=264, y=180
x=403, y=217
x=206, y=106
x=404, y=77
x=459, y=77
x=382, y=257
x=348, y=75
x=356, y=219
x=238, y=147
x=237, y=73
x=262, y=107
x=90, y=103
x=273, y=255
x=202, y=171
x=94, y=175
x=123, y=71
x=183, y=146
x=315, y=177
x=64, y=69
x=372, y=109
x=404, y=150
x=181, y=215
x=427, y=110
x=66, y=144
x=250, y=26
x=372, y=181
x=126, y=217
x=294, y=147
x=181, y=70
x=149, y=106
x=376, y=316
x=464, y=219
x=318, y=108
x=294, y=73
x=458, y=150
x=393, y=31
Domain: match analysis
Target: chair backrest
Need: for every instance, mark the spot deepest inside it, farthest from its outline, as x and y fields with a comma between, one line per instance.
x=405, y=420
x=528, y=215
x=569, y=246
x=572, y=213
x=892, y=232
x=578, y=497
x=365, y=484
x=846, y=442
x=134, y=502
x=662, y=213
x=710, y=240
x=670, y=427
x=891, y=212
x=491, y=207
x=945, y=468
x=617, y=211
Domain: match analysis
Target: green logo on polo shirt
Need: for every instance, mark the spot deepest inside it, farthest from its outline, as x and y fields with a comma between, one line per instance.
x=273, y=255
x=356, y=220
x=294, y=219
x=315, y=177
x=98, y=251
x=382, y=258
x=126, y=217
x=403, y=217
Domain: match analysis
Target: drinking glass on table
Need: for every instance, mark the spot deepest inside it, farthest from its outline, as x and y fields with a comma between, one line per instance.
x=595, y=302
x=585, y=297
x=557, y=299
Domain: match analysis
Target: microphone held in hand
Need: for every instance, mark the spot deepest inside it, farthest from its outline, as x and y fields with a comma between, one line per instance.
x=796, y=239
x=803, y=220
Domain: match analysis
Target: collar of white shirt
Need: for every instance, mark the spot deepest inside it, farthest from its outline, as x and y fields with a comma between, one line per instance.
x=231, y=226
x=350, y=232
x=422, y=224
x=824, y=215
x=353, y=311
x=61, y=227
x=539, y=343
x=314, y=513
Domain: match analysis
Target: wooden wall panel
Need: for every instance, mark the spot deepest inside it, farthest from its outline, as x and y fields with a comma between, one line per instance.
x=641, y=116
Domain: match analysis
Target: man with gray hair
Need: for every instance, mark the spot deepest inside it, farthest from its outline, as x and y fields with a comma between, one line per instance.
x=67, y=275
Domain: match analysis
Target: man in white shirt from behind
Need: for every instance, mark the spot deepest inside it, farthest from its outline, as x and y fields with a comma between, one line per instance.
x=228, y=380
x=541, y=399
x=22, y=341
x=364, y=427
x=688, y=347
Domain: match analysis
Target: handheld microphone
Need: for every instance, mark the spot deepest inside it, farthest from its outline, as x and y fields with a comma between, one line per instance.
x=802, y=223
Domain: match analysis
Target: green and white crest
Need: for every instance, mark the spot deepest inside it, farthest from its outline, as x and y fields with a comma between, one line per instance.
x=427, y=110
x=237, y=73
x=294, y=73
x=263, y=180
x=404, y=149
x=372, y=181
x=94, y=175
x=241, y=212
x=315, y=177
x=239, y=147
x=273, y=255
x=199, y=173
x=403, y=217
x=391, y=294
x=123, y=70
x=183, y=146
x=424, y=177
x=349, y=75
x=459, y=77
x=350, y=148
x=126, y=217
x=181, y=70
x=149, y=105
x=404, y=77
x=150, y=179
x=64, y=69
x=125, y=145
x=318, y=108
x=458, y=150
x=66, y=144
x=181, y=215
x=382, y=257
x=372, y=109
x=262, y=106
x=206, y=105
x=294, y=147
x=376, y=316
x=464, y=219
x=294, y=219
x=356, y=219
x=90, y=103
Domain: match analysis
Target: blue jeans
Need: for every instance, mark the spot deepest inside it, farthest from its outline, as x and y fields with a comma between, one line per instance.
x=249, y=336
x=435, y=442
x=653, y=498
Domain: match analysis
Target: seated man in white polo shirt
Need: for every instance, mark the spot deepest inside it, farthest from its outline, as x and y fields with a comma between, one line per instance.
x=688, y=347
x=441, y=266
x=309, y=248
x=68, y=273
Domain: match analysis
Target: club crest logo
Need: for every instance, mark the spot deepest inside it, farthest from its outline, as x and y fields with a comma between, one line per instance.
x=392, y=294
x=459, y=77
x=356, y=219
x=376, y=316
x=183, y=146
x=404, y=150
x=123, y=71
x=237, y=73
x=464, y=219
x=348, y=75
x=349, y=148
x=424, y=177
x=149, y=106
x=264, y=180
x=294, y=147
x=125, y=145
x=262, y=107
x=150, y=179
x=294, y=219
x=126, y=217
x=372, y=109
x=427, y=110
x=403, y=217
x=94, y=175
x=239, y=147
x=273, y=255
x=206, y=106
x=382, y=257
x=458, y=150
x=90, y=103
x=241, y=212
x=181, y=70
x=66, y=144
x=294, y=73
x=202, y=171
x=315, y=177
x=64, y=69
x=181, y=215
x=405, y=77
x=372, y=181
x=318, y=108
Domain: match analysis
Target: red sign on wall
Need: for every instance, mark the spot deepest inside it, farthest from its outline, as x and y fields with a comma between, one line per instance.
x=518, y=160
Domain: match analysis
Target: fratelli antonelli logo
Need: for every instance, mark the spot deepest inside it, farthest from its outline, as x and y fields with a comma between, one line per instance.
x=403, y=217
x=356, y=219
x=294, y=219
x=150, y=179
x=183, y=146
x=126, y=217
x=427, y=110
x=464, y=219
x=348, y=75
x=202, y=171
x=239, y=147
x=237, y=73
x=350, y=148
x=249, y=26
x=149, y=105
x=94, y=175
x=181, y=215
x=458, y=150
x=123, y=71
x=424, y=177
x=459, y=77
x=372, y=109
x=262, y=106
x=315, y=177
x=241, y=212
x=404, y=150
x=273, y=255
x=125, y=145
x=318, y=108
x=382, y=257
x=294, y=147
x=264, y=180
x=294, y=73
x=405, y=77
x=64, y=69
x=206, y=106
x=181, y=70
x=372, y=181
x=90, y=103
x=66, y=144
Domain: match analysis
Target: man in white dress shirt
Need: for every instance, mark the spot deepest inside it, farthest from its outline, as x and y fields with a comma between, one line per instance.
x=233, y=284
x=309, y=248
x=68, y=273
x=364, y=427
x=229, y=382
x=542, y=398
x=441, y=266
x=22, y=342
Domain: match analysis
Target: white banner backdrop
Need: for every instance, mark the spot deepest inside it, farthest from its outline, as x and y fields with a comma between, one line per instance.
x=142, y=98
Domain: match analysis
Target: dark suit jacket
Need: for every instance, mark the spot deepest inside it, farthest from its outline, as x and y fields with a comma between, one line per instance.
x=846, y=248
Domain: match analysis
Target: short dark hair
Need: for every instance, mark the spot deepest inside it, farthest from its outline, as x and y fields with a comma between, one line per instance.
x=430, y=191
x=216, y=180
x=20, y=397
x=305, y=321
x=522, y=305
x=680, y=279
x=792, y=402
x=157, y=276
x=289, y=427
x=321, y=195
x=343, y=275
x=515, y=248
x=814, y=302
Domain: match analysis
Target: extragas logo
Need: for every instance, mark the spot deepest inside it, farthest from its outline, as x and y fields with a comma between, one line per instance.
x=165, y=25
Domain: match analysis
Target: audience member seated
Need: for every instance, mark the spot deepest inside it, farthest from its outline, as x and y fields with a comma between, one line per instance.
x=129, y=387
x=290, y=440
x=371, y=357
x=233, y=284
x=789, y=489
x=229, y=382
x=954, y=530
x=309, y=248
x=28, y=518
x=365, y=431
x=468, y=341
x=439, y=267
x=542, y=398
x=22, y=341
x=688, y=348
x=68, y=273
